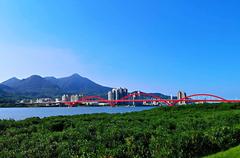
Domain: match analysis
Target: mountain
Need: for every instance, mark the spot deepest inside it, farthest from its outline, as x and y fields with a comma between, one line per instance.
x=6, y=91
x=2, y=92
x=79, y=84
x=37, y=86
x=34, y=85
x=12, y=82
x=53, y=80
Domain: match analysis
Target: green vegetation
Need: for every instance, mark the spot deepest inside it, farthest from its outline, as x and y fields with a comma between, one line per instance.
x=181, y=131
x=231, y=153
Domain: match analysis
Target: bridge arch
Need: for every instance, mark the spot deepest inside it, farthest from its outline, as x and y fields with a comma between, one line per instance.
x=189, y=98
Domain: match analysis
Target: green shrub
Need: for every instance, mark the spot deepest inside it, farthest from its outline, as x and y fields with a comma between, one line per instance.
x=181, y=131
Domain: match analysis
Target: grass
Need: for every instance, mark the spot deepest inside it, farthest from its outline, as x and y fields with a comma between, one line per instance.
x=231, y=153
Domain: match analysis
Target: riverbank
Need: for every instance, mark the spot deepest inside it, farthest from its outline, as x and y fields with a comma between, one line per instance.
x=183, y=131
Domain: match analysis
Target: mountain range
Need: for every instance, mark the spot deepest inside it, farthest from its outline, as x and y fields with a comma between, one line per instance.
x=37, y=86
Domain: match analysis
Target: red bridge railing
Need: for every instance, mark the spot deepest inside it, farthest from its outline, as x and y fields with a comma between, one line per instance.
x=148, y=97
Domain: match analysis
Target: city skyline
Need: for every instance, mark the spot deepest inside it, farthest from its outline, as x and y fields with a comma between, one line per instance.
x=163, y=46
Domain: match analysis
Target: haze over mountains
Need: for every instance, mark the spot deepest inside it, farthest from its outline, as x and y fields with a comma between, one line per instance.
x=37, y=86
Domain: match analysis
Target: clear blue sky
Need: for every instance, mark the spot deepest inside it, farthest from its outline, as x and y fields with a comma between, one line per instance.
x=152, y=45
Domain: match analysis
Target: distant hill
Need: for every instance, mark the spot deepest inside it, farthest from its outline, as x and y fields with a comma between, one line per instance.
x=2, y=93
x=6, y=91
x=12, y=82
x=79, y=84
x=37, y=86
x=163, y=96
x=34, y=85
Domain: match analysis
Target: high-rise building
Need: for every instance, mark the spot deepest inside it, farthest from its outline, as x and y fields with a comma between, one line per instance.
x=65, y=97
x=117, y=93
x=75, y=97
x=72, y=98
x=181, y=95
x=110, y=95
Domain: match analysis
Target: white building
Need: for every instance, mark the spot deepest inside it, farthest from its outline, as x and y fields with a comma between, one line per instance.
x=117, y=93
x=181, y=95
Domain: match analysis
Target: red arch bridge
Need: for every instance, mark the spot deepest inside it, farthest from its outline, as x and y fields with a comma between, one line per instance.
x=151, y=99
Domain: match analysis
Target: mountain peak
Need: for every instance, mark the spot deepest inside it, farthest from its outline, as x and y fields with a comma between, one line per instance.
x=14, y=78
x=34, y=77
x=51, y=86
x=75, y=75
x=50, y=77
x=78, y=84
x=12, y=81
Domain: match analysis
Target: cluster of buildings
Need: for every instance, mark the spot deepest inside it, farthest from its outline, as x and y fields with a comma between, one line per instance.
x=114, y=94
x=117, y=93
x=53, y=101
x=71, y=98
x=46, y=101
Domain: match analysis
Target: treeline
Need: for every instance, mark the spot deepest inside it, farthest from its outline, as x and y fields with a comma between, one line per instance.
x=182, y=131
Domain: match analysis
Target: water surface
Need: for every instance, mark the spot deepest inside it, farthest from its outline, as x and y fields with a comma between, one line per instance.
x=23, y=113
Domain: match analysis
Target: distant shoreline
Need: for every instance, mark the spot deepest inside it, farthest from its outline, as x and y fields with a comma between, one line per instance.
x=6, y=105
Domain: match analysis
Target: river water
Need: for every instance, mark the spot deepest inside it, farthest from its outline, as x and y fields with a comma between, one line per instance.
x=23, y=113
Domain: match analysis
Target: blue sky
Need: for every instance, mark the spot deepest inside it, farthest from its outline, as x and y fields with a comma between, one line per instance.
x=154, y=45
